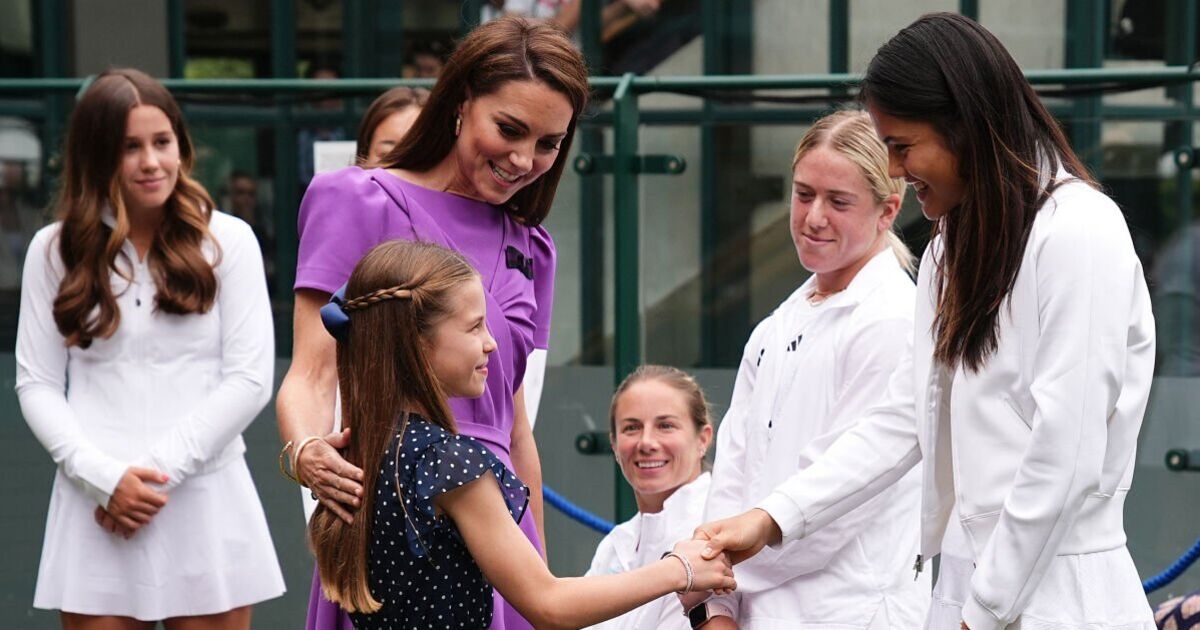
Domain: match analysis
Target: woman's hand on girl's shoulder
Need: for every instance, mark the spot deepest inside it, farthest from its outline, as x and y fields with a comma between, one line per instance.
x=714, y=575
x=335, y=482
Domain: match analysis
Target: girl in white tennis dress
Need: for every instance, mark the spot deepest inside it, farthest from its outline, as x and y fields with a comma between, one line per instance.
x=144, y=349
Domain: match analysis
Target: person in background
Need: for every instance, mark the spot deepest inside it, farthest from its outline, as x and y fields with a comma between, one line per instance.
x=427, y=60
x=144, y=349
x=385, y=122
x=20, y=218
x=307, y=137
x=659, y=427
x=477, y=172
x=241, y=194
x=615, y=16
x=242, y=197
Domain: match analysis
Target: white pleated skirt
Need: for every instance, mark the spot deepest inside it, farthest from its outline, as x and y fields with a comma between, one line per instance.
x=207, y=551
x=1094, y=591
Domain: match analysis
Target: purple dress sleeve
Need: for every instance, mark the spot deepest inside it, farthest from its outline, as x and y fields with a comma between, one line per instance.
x=545, y=261
x=343, y=215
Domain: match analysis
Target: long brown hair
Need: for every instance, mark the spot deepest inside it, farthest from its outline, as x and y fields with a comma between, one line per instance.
x=500, y=51
x=397, y=293
x=849, y=133
x=390, y=102
x=951, y=72
x=183, y=275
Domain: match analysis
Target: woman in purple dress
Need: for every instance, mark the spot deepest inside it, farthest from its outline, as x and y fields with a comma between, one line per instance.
x=477, y=173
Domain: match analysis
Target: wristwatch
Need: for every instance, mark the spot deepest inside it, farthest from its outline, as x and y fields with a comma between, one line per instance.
x=698, y=615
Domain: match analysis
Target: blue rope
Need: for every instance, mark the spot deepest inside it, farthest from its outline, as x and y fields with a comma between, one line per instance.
x=575, y=512
x=1173, y=571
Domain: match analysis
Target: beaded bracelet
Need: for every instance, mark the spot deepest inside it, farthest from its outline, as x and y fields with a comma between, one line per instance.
x=687, y=567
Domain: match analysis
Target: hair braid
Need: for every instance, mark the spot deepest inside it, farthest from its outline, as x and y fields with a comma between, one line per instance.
x=374, y=297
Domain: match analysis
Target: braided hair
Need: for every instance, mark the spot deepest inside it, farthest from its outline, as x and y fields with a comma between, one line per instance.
x=398, y=292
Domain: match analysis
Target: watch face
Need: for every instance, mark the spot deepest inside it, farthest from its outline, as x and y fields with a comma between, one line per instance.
x=698, y=615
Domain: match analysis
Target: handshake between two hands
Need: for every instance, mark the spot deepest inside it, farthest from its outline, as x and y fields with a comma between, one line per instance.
x=715, y=547
x=725, y=543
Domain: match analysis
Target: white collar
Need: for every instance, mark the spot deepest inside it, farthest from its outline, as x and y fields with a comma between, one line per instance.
x=876, y=271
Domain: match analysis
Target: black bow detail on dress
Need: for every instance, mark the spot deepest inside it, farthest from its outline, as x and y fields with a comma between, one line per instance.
x=514, y=259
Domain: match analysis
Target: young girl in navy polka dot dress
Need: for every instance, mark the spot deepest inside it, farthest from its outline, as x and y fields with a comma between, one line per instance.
x=438, y=526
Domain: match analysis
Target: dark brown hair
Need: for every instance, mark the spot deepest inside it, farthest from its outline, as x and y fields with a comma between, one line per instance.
x=85, y=307
x=390, y=102
x=398, y=292
x=500, y=51
x=675, y=378
x=949, y=71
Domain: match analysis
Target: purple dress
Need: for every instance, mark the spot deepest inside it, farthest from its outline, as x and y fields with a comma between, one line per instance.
x=347, y=212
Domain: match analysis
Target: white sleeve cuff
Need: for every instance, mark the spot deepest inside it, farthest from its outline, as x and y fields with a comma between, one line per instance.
x=979, y=618
x=535, y=378
x=101, y=480
x=786, y=514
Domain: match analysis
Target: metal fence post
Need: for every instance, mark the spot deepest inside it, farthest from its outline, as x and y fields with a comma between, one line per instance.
x=627, y=344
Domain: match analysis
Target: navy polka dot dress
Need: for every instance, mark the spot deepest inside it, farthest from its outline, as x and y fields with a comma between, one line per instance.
x=419, y=566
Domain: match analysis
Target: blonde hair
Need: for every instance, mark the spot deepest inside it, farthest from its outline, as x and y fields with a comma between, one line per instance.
x=850, y=133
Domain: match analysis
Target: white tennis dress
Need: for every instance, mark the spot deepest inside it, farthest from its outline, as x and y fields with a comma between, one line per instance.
x=169, y=392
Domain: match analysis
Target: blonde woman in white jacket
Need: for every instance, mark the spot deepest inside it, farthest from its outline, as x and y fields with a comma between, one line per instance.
x=660, y=430
x=1032, y=357
x=809, y=372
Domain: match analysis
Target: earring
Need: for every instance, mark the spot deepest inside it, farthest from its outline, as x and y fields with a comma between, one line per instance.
x=457, y=125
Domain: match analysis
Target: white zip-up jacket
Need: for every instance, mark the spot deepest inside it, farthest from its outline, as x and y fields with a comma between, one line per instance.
x=641, y=541
x=808, y=374
x=1035, y=452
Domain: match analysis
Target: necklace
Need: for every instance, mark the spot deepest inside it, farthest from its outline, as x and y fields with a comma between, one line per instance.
x=818, y=296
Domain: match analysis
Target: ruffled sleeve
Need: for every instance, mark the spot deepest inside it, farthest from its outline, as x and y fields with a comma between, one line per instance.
x=344, y=214
x=436, y=461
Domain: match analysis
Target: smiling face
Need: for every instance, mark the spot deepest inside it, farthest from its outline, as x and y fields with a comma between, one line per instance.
x=508, y=139
x=836, y=223
x=656, y=441
x=389, y=133
x=460, y=344
x=921, y=155
x=149, y=160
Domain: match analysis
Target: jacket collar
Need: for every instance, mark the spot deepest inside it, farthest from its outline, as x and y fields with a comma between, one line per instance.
x=875, y=272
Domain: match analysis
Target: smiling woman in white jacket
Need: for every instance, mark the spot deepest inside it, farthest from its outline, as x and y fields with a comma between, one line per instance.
x=809, y=372
x=1032, y=356
x=660, y=430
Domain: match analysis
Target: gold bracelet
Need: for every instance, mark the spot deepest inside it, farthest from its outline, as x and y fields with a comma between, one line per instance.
x=296, y=456
x=282, y=467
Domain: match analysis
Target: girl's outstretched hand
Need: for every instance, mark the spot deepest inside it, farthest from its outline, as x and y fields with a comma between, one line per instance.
x=714, y=574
